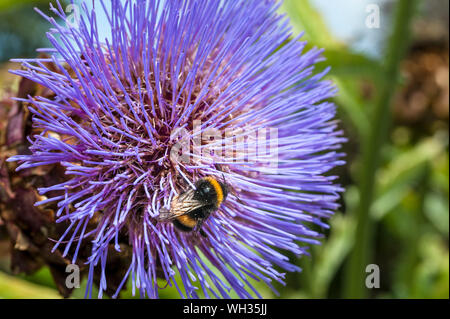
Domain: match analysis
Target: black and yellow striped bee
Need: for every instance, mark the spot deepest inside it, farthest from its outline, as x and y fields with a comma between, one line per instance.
x=191, y=208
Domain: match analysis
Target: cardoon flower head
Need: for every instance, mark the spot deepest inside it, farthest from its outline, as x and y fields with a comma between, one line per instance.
x=178, y=91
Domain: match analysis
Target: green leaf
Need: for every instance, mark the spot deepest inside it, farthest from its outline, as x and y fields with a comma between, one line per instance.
x=436, y=210
x=440, y=172
x=304, y=17
x=395, y=180
x=330, y=256
x=42, y=277
x=350, y=65
x=432, y=274
x=6, y=4
x=15, y=288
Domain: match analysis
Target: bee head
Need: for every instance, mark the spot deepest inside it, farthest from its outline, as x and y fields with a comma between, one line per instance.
x=210, y=191
x=205, y=191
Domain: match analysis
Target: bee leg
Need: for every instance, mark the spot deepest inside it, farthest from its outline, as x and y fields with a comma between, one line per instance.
x=199, y=228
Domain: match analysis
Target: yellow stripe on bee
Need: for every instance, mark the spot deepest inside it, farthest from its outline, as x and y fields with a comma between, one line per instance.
x=187, y=221
x=217, y=188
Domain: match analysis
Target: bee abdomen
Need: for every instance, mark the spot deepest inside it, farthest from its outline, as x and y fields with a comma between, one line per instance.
x=184, y=223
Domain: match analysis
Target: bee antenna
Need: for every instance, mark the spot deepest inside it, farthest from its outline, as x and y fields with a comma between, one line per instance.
x=233, y=191
x=237, y=197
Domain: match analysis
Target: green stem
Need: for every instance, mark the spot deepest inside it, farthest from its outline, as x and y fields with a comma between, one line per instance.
x=361, y=255
x=412, y=241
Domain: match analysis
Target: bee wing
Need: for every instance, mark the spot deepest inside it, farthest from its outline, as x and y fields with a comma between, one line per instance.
x=165, y=215
x=181, y=205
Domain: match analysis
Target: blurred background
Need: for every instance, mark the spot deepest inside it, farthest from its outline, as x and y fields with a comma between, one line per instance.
x=390, y=61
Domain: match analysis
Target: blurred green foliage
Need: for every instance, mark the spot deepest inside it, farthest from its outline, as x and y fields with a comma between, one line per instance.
x=8, y=4
x=411, y=196
x=408, y=212
x=13, y=288
x=17, y=19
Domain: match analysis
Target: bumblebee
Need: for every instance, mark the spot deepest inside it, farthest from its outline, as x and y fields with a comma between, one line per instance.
x=191, y=208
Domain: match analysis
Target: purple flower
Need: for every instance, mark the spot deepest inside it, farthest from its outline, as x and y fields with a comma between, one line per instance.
x=195, y=67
